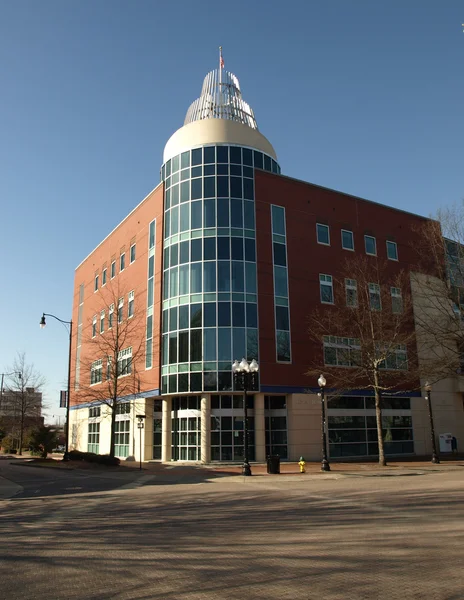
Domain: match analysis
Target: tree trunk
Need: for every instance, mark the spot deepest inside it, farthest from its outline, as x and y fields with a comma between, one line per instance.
x=113, y=426
x=21, y=432
x=378, y=418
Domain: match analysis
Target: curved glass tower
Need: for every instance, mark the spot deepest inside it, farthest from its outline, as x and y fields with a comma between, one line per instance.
x=210, y=314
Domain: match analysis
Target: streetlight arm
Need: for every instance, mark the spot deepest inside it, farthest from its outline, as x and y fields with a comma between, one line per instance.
x=57, y=318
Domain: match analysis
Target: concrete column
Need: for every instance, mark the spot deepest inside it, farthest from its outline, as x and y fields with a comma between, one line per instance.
x=148, y=445
x=260, y=429
x=205, y=428
x=166, y=431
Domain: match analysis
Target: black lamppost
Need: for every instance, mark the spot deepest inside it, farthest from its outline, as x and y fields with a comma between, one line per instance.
x=245, y=375
x=66, y=429
x=140, y=426
x=325, y=466
x=428, y=388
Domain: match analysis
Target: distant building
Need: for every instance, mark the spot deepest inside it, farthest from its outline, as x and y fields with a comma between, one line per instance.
x=226, y=258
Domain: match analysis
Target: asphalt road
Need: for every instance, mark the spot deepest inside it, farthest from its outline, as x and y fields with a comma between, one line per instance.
x=238, y=538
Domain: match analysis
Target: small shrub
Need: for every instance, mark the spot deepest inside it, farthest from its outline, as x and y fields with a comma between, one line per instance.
x=76, y=455
x=109, y=461
x=91, y=457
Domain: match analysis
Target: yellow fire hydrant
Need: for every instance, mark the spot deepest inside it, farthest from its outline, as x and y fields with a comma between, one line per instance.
x=302, y=465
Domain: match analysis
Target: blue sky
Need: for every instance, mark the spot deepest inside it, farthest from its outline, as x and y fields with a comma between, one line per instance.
x=364, y=97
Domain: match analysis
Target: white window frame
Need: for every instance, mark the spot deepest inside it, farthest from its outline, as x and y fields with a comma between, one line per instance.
x=394, y=245
x=110, y=316
x=104, y=274
x=96, y=372
x=374, y=289
x=397, y=298
x=130, y=305
x=94, y=326
x=344, y=347
x=400, y=350
x=351, y=285
x=102, y=321
x=95, y=283
x=326, y=280
x=352, y=239
x=328, y=234
x=113, y=269
x=120, y=315
x=122, y=261
x=125, y=360
x=370, y=237
x=131, y=260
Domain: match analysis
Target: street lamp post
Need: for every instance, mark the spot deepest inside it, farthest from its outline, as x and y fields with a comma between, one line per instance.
x=325, y=466
x=140, y=426
x=428, y=389
x=42, y=325
x=245, y=375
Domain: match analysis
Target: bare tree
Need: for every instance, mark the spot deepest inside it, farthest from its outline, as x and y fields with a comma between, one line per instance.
x=439, y=291
x=113, y=347
x=24, y=396
x=366, y=339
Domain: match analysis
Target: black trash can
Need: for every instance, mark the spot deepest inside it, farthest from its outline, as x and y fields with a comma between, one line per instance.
x=273, y=464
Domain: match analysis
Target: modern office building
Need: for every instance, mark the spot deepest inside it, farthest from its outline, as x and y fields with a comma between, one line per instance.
x=225, y=259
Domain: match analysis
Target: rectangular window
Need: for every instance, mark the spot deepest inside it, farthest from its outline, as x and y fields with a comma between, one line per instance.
x=93, y=442
x=374, y=296
x=96, y=370
x=341, y=352
x=323, y=234
x=370, y=245
x=104, y=277
x=122, y=261
x=392, y=251
x=95, y=287
x=130, y=305
x=108, y=368
x=132, y=253
x=102, y=321
x=397, y=359
x=113, y=269
x=125, y=362
x=281, y=310
x=326, y=287
x=347, y=240
x=351, y=290
x=94, y=412
x=94, y=326
x=397, y=300
x=151, y=235
x=110, y=316
x=120, y=308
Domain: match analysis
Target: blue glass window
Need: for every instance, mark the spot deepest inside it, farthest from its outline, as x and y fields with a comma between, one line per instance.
x=258, y=159
x=183, y=346
x=222, y=186
x=183, y=280
x=209, y=187
x=280, y=281
x=184, y=252
x=236, y=155
x=237, y=248
x=196, y=278
x=251, y=315
x=278, y=220
x=209, y=344
x=197, y=157
x=236, y=187
x=224, y=314
x=280, y=257
x=195, y=316
x=248, y=189
x=223, y=276
x=195, y=346
x=247, y=157
x=172, y=348
x=174, y=255
x=239, y=343
x=209, y=154
x=183, y=317
x=282, y=321
x=209, y=314
x=185, y=160
x=250, y=250
x=210, y=213
x=209, y=248
x=224, y=343
x=173, y=319
x=196, y=188
x=196, y=215
x=267, y=163
x=195, y=250
x=185, y=191
x=250, y=276
x=238, y=314
x=223, y=212
x=223, y=250
x=209, y=283
x=237, y=277
x=175, y=195
x=222, y=154
x=151, y=266
x=174, y=220
x=236, y=210
x=175, y=164
x=249, y=215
